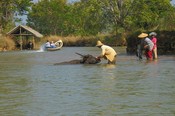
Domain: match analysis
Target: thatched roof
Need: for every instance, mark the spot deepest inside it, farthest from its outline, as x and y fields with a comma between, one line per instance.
x=25, y=31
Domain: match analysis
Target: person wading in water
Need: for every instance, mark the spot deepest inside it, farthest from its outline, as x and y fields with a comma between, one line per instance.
x=147, y=45
x=107, y=53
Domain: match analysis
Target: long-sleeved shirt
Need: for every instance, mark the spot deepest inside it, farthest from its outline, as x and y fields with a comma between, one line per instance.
x=147, y=42
x=108, y=52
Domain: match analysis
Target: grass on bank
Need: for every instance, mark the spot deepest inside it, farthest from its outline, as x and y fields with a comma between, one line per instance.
x=6, y=43
x=88, y=40
x=78, y=41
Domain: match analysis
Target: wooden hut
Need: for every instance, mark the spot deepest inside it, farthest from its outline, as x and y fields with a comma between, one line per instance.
x=24, y=35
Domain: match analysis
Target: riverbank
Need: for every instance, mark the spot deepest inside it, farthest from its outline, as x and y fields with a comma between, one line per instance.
x=69, y=41
x=88, y=41
x=165, y=41
x=6, y=43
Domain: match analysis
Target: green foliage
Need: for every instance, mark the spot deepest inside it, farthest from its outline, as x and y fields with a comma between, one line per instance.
x=8, y=9
x=90, y=17
x=50, y=16
x=128, y=15
x=57, y=17
x=149, y=13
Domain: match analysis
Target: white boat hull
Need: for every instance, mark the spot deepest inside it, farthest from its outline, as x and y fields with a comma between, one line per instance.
x=59, y=45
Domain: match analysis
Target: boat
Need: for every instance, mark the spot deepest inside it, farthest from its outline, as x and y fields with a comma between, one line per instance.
x=59, y=45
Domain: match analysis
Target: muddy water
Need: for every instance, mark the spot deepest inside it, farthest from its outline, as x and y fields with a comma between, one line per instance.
x=30, y=85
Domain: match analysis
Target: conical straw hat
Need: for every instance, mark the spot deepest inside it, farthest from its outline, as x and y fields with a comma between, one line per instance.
x=99, y=43
x=143, y=35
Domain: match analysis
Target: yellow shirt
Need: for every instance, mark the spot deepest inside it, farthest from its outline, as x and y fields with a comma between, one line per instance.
x=108, y=52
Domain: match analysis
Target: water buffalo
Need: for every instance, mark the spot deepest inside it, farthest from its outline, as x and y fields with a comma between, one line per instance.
x=86, y=59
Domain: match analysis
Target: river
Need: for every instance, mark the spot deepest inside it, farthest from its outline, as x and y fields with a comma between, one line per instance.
x=30, y=85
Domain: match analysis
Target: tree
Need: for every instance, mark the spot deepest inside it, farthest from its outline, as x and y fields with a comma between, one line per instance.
x=126, y=15
x=116, y=12
x=48, y=16
x=88, y=15
x=55, y=17
x=9, y=8
x=150, y=13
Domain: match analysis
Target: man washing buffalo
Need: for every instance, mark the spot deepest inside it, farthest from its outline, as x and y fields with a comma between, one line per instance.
x=107, y=53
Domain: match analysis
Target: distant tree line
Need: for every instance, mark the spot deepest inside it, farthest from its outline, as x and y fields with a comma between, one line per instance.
x=9, y=9
x=89, y=17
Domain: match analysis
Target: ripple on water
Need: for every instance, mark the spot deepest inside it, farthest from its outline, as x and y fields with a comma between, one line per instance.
x=31, y=85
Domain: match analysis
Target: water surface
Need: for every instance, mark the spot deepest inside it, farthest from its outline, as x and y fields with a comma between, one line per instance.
x=30, y=85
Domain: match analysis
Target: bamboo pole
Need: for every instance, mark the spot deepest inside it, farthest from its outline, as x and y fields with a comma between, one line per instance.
x=33, y=41
x=21, y=42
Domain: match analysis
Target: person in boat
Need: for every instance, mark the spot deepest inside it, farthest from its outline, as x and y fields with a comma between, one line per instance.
x=147, y=45
x=47, y=44
x=107, y=53
x=53, y=45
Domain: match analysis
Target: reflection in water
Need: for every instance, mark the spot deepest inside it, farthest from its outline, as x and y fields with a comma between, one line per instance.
x=109, y=66
x=30, y=85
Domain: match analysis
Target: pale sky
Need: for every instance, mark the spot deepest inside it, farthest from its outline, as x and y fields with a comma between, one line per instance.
x=173, y=2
